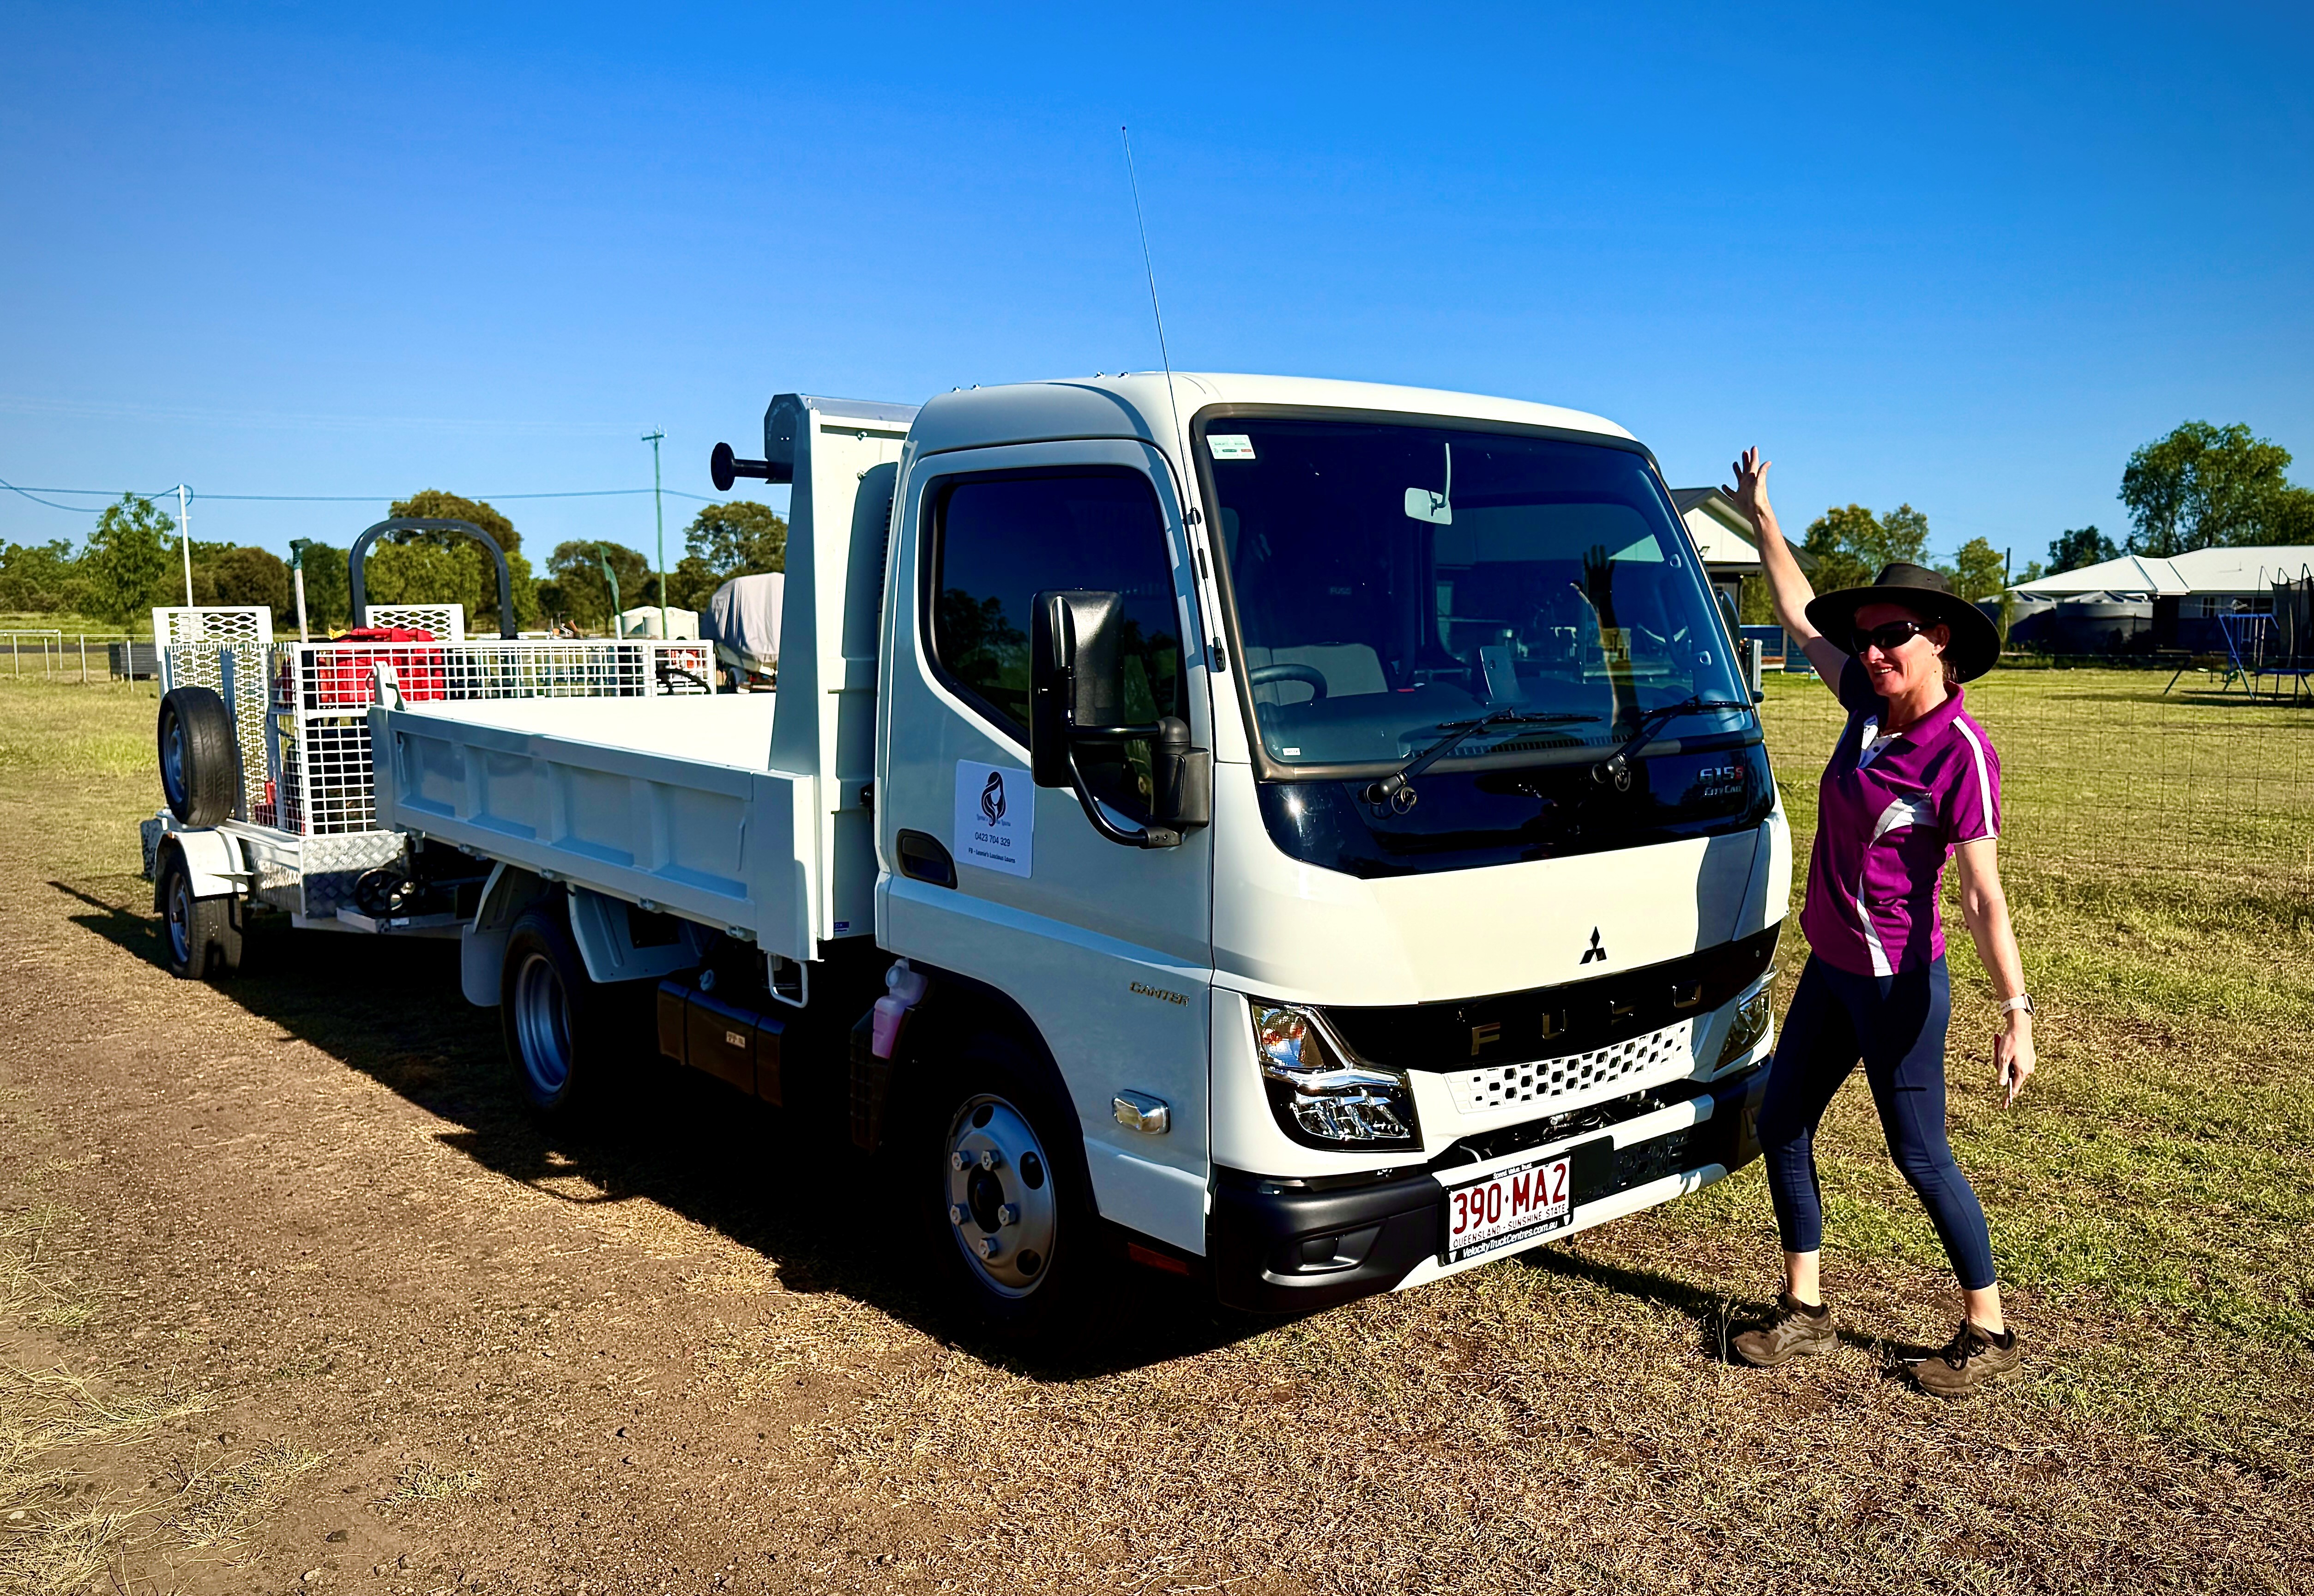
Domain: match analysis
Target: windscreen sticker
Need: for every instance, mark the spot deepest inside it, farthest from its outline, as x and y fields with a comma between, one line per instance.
x=1230, y=446
x=996, y=816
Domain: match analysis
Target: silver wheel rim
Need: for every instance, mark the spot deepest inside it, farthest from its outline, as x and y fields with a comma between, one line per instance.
x=180, y=920
x=999, y=1186
x=542, y=1024
x=173, y=758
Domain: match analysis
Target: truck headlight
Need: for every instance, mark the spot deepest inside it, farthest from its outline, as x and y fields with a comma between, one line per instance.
x=1318, y=1099
x=1749, y=1024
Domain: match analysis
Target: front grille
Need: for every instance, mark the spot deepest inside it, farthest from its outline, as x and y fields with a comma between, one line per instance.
x=1555, y=1022
x=1631, y=1064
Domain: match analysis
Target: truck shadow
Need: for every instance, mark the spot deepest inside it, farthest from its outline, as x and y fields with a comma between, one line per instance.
x=758, y=1176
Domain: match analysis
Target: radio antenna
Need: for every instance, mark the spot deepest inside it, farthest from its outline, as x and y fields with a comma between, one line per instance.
x=1180, y=433
x=1150, y=265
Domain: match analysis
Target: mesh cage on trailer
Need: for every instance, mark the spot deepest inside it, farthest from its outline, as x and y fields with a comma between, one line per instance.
x=318, y=734
x=223, y=648
x=448, y=622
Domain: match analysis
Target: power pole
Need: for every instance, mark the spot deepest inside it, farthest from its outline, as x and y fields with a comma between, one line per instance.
x=652, y=438
x=185, y=537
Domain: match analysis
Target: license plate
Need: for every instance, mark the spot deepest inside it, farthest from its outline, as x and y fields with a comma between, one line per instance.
x=1507, y=1207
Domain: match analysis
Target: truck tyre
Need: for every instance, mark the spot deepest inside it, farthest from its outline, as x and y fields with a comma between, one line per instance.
x=1003, y=1173
x=199, y=937
x=563, y=1031
x=200, y=761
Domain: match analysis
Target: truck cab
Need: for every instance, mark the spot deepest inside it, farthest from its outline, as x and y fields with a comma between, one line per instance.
x=1346, y=798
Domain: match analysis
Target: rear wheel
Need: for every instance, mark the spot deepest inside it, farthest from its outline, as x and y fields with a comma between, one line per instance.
x=566, y=1036
x=196, y=933
x=200, y=761
x=1002, y=1174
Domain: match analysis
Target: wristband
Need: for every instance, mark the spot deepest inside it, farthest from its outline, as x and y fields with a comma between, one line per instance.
x=2022, y=1001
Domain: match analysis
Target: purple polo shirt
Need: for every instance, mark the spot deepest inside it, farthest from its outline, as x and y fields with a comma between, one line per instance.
x=1886, y=823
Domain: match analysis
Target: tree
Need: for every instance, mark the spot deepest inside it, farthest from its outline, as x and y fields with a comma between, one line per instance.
x=582, y=595
x=40, y=577
x=328, y=601
x=464, y=574
x=737, y=538
x=127, y=556
x=740, y=538
x=432, y=504
x=2078, y=546
x=1836, y=541
x=1977, y=570
x=2203, y=486
x=247, y=576
x=1903, y=535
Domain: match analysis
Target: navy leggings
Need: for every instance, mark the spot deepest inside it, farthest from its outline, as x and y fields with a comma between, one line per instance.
x=1896, y=1025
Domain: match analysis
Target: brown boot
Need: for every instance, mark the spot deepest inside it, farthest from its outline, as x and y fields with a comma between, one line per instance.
x=1972, y=1359
x=1791, y=1331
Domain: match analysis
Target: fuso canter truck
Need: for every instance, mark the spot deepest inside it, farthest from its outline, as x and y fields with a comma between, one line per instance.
x=1310, y=837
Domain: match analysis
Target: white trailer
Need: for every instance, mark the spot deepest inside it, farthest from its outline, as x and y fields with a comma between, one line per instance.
x=1310, y=836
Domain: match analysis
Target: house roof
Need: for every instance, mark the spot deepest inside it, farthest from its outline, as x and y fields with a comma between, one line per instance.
x=1722, y=532
x=2246, y=570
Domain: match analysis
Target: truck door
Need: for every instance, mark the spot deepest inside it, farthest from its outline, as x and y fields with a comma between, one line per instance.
x=1107, y=948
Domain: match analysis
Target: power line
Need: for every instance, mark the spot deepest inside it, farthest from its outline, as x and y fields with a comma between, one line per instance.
x=110, y=494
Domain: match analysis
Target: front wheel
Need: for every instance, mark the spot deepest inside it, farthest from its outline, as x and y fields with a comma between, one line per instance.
x=1010, y=1206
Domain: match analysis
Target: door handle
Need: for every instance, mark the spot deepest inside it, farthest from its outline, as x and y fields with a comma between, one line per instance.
x=923, y=858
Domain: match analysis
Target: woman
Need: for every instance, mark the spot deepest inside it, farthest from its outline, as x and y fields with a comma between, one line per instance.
x=1912, y=781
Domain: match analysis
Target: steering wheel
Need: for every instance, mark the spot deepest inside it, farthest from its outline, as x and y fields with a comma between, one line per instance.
x=1309, y=676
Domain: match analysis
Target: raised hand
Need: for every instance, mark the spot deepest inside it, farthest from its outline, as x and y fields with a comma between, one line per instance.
x=1751, y=490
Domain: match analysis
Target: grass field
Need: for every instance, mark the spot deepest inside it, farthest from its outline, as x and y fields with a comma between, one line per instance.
x=1557, y=1422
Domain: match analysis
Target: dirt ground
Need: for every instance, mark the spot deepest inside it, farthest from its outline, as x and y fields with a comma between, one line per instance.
x=295, y=1298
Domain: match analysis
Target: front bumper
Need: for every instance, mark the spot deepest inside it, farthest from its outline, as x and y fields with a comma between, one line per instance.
x=1279, y=1246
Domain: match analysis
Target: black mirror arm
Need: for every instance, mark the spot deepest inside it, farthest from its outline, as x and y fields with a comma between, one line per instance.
x=1139, y=838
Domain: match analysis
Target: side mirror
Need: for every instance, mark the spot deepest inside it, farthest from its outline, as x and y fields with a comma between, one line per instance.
x=1073, y=681
x=1076, y=696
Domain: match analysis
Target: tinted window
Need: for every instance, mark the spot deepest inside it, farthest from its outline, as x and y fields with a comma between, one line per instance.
x=1003, y=540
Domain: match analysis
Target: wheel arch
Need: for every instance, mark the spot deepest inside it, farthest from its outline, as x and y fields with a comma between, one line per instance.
x=510, y=891
x=213, y=863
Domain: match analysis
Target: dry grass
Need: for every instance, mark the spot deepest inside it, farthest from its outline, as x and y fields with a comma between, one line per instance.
x=426, y=1481
x=218, y=1508
x=63, y=1529
x=1563, y=1422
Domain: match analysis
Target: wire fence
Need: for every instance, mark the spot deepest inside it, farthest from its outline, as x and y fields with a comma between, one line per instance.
x=2105, y=774
x=56, y=656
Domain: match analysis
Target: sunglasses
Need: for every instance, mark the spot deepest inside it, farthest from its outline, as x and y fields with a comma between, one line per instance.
x=1888, y=639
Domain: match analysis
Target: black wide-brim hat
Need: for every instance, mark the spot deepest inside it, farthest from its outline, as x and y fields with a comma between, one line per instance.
x=1975, y=643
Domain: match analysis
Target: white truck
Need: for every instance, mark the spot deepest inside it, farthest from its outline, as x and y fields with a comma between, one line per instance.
x=1308, y=836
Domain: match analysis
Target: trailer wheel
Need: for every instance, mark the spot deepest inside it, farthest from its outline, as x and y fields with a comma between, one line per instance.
x=1002, y=1170
x=200, y=761
x=195, y=932
x=563, y=1032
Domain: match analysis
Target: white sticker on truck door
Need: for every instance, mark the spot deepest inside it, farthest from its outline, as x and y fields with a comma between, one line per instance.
x=996, y=816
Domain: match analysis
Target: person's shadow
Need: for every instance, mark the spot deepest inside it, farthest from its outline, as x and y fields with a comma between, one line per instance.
x=829, y=1217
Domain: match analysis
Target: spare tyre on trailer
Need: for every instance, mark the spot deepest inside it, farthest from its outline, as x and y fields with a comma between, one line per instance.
x=200, y=759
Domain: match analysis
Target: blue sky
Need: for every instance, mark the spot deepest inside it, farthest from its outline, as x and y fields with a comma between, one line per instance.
x=1962, y=258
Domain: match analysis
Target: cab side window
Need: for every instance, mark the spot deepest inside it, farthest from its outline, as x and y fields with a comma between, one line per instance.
x=1004, y=539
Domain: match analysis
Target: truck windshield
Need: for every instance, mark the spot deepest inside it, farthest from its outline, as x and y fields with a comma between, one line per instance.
x=1394, y=583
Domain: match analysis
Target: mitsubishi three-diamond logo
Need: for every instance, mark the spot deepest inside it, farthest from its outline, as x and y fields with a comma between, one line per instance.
x=1597, y=951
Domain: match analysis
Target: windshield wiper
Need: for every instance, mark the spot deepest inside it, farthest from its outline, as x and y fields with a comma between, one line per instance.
x=1616, y=766
x=1397, y=788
